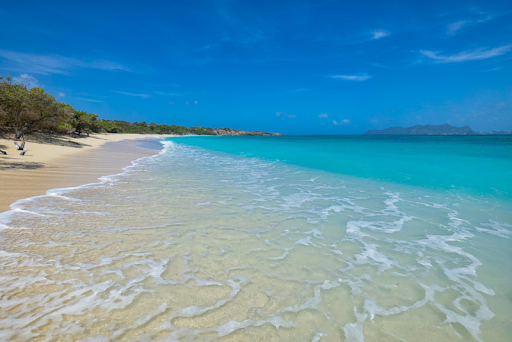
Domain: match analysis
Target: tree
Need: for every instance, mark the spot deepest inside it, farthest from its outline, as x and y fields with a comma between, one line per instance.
x=22, y=109
x=83, y=122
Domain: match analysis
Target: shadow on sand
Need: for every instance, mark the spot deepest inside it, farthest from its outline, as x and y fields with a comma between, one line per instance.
x=53, y=139
x=6, y=165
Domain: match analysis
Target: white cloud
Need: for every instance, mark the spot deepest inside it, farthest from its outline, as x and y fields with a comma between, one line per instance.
x=482, y=110
x=143, y=96
x=341, y=123
x=166, y=94
x=359, y=78
x=88, y=100
x=61, y=94
x=53, y=64
x=28, y=80
x=378, y=34
x=105, y=65
x=471, y=55
x=299, y=90
x=324, y=115
x=453, y=28
x=283, y=115
x=474, y=17
x=195, y=102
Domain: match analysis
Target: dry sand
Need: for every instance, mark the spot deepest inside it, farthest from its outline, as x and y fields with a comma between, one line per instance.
x=47, y=165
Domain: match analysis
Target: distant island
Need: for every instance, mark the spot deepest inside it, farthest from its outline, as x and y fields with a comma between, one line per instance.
x=445, y=129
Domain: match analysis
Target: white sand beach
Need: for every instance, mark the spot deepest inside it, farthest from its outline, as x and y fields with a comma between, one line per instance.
x=46, y=166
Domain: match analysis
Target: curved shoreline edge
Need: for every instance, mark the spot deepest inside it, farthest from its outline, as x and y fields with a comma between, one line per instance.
x=51, y=167
x=17, y=206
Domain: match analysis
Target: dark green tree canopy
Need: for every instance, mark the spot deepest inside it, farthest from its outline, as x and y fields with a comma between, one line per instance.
x=23, y=109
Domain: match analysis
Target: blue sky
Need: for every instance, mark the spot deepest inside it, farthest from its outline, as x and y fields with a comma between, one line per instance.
x=297, y=67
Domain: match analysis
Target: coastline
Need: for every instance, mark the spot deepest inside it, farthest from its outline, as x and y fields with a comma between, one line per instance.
x=115, y=260
x=49, y=166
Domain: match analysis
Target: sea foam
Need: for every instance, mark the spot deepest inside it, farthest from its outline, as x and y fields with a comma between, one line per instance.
x=197, y=244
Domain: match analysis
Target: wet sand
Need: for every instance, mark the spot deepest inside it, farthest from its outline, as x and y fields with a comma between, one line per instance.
x=48, y=166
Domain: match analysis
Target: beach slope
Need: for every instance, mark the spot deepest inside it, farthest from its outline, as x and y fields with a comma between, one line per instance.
x=65, y=163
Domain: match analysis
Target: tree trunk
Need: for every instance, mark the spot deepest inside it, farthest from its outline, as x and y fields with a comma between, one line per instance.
x=21, y=133
x=18, y=134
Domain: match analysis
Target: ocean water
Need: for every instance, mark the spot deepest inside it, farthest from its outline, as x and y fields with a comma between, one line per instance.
x=347, y=238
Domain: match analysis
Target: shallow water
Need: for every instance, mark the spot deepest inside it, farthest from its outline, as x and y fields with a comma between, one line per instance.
x=208, y=244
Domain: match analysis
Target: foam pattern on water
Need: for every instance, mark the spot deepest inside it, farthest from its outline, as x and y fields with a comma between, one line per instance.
x=198, y=245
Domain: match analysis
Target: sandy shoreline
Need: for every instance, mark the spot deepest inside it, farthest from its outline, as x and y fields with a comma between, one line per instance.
x=49, y=166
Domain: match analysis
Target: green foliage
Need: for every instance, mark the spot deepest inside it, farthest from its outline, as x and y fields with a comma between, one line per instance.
x=64, y=128
x=23, y=110
x=117, y=126
x=84, y=123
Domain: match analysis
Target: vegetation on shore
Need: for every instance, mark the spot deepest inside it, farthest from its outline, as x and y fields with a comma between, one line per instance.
x=24, y=110
x=117, y=126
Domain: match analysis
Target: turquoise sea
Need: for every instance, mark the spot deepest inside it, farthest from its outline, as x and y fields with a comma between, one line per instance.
x=294, y=238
